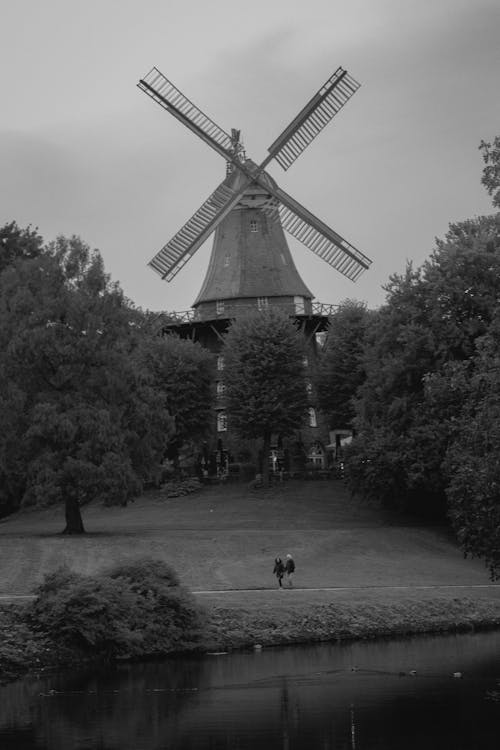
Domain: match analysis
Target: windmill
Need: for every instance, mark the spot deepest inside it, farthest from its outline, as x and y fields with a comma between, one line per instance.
x=251, y=265
x=244, y=175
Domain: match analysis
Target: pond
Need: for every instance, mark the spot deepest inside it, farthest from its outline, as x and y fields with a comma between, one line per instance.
x=361, y=696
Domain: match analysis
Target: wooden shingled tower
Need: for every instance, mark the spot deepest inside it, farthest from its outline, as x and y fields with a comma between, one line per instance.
x=251, y=263
x=251, y=266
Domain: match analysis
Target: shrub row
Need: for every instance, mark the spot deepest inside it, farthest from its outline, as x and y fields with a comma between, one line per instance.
x=135, y=609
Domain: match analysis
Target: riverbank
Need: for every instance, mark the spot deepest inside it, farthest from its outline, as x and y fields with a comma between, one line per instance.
x=361, y=573
x=267, y=624
x=279, y=625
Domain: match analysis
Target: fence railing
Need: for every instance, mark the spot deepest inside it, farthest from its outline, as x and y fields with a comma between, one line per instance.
x=196, y=316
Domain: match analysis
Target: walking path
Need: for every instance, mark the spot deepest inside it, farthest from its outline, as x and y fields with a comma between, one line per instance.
x=355, y=588
x=436, y=586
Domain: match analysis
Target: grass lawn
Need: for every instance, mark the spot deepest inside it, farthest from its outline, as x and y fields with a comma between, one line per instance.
x=226, y=537
x=360, y=572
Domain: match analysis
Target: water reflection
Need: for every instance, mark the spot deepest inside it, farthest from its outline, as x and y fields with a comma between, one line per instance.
x=378, y=696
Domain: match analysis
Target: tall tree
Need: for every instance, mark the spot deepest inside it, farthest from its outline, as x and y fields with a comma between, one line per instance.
x=467, y=396
x=264, y=376
x=85, y=421
x=182, y=371
x=340, y=368
x=432, y=316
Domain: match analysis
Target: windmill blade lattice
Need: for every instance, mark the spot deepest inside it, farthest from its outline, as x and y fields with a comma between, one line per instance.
x=299, y=222
x=313, y=118
x=168, y=96
x=317, y=236
x=176, y=253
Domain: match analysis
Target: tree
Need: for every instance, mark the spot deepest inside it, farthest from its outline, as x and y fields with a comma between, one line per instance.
x=384, y=461
x=491, y=172
x=17, y=243
x=85, y=420
x=264, y=376
x=182, y=371
x=471, y=392
x=433, y=315
x=340, y=367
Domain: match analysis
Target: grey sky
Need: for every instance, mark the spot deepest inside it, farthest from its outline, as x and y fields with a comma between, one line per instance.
x=83, y=151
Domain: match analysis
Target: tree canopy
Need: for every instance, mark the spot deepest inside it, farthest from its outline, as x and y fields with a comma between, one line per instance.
x=432, y=315
x=91, y=398
x=17, y=243
x=468, y=398
x=340, y=367
x=183, y=372
x=427, y=412
x=491, y=171
x=264, y=377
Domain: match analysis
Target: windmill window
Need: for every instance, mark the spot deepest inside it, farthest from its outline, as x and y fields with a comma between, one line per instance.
x=262, y=303
x=221, y=387
x=221, y=421
x=219, y=306
x=226, y=260
x=313, y=422
x=299, y=305
x=220, y=362
x=254, y=226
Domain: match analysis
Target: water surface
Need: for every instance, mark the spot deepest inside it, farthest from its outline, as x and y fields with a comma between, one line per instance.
x=393, y=695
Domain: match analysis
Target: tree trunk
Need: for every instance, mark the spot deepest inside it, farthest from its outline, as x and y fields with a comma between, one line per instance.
x=266, y=447
x=74, y=523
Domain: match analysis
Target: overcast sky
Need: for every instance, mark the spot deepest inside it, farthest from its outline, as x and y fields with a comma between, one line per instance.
x=84, y=151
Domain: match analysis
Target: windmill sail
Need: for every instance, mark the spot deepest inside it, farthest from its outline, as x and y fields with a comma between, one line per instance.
x=161, y=90
x=312, y=119
x=317, y=236
x=242, y=172
x=176, y=253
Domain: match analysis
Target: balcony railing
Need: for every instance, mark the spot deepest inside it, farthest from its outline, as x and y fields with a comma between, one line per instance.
x=196, y=316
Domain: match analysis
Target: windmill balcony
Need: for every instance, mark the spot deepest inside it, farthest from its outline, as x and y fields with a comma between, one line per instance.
x=195, y=315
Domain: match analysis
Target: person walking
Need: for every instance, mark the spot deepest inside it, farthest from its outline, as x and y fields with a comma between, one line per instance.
x=279, y=570
x=290, y=570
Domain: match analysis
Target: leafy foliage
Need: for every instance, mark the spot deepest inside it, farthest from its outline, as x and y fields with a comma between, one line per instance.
x=84, y=418
x=182, y=371
x=18, y=244
x=491, y=172
x=432, y=316
x=135, y=609
x=472, y=459
x=265, y=392
x=340, y=368
x=263, y=364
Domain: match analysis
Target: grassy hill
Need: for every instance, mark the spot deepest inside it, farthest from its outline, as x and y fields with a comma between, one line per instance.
x=360, y=571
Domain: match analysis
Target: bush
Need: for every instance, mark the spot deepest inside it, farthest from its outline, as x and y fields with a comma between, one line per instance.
x=135, y=609
x=177, y=488
x=19, y=648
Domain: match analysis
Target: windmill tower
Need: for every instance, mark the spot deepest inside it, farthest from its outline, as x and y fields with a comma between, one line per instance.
x=251, y=266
